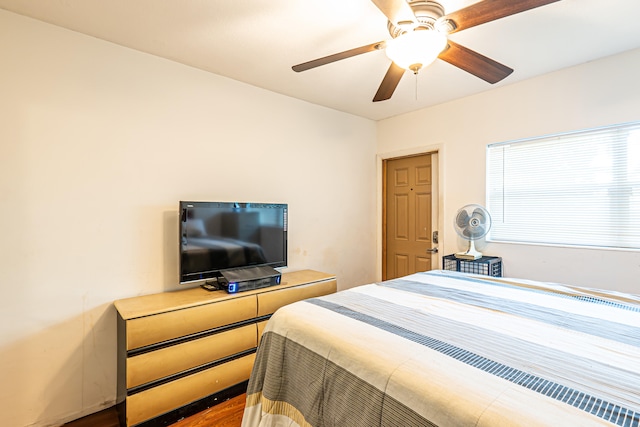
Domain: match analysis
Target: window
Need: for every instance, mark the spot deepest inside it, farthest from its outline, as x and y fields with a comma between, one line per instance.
x=580, y=188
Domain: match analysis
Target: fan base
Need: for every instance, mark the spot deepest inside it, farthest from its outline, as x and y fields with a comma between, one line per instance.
x=469, y=256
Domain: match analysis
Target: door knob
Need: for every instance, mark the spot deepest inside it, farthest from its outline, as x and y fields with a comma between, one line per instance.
x=433, y=250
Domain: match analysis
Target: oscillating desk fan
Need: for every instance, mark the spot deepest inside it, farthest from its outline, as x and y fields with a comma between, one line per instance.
x=472, y=222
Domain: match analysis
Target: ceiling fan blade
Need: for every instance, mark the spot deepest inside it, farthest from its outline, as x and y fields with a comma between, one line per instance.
x=397, y=11
x=338, y=56
x=490, y=10
x=472, y=62
x=389, y=83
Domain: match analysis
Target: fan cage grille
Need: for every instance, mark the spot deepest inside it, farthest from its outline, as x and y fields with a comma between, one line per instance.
x=486, y=265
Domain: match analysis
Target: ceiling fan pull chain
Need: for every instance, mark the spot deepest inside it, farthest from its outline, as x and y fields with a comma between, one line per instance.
x=416, y=74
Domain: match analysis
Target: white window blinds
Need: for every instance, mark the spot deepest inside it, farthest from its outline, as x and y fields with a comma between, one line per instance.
x=579, y=188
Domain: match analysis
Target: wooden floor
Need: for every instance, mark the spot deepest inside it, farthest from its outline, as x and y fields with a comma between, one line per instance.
x=225, y=414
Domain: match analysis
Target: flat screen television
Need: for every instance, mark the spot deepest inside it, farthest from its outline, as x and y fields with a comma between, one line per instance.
x=217, y=236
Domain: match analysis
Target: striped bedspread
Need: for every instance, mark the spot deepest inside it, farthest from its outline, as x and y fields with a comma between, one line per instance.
x=446, y=349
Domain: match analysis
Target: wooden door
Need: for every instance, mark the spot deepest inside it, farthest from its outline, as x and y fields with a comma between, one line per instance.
x=408, y=216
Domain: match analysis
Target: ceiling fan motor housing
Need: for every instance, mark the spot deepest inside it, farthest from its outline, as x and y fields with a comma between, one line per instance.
x=426, y=12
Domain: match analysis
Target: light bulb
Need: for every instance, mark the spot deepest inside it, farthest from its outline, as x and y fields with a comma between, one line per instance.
x=416, y=49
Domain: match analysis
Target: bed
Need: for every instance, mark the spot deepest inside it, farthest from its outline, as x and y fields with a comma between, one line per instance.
x=442, y=348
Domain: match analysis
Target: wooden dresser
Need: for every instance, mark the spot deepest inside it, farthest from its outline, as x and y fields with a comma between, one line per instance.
x=180, y=352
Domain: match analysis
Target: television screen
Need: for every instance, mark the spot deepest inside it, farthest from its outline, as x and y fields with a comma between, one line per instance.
x=218, y=236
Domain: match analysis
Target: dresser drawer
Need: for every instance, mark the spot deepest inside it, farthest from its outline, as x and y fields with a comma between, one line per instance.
x=166, y=397
x=173, y=324
x=261, y=326
x=167, y=361
x=269, y=302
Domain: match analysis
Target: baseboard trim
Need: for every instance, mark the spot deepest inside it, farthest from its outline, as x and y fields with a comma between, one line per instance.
x=105, y=417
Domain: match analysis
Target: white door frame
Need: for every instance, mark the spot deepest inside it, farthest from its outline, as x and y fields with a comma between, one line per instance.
x=437, y=200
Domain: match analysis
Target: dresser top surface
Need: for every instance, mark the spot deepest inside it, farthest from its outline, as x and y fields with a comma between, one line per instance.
x=146, y=305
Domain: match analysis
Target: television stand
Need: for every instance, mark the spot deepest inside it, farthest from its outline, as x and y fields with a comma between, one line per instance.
x=210, y=286
x=182, y=351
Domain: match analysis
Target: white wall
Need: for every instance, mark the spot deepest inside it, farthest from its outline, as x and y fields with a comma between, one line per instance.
x=590, y=95
x=98, y=144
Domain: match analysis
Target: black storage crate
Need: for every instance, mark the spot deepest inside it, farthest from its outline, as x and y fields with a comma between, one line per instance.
x=487, y=265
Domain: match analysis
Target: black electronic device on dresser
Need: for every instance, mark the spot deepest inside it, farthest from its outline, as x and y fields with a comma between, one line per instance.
x=232, y=245
x=248, y=279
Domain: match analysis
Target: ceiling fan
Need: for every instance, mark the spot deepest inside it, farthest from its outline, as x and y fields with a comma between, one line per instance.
x=419, y=30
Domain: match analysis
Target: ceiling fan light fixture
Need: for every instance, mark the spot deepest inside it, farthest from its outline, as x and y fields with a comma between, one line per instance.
x=416, y=49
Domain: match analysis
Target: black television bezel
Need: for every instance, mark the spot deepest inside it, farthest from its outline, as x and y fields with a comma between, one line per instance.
x=215, y=273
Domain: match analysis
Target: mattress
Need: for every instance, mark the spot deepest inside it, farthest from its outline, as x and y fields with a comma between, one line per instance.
x=442, y=348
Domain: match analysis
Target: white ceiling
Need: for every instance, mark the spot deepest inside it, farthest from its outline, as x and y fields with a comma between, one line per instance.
x=257, y=42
